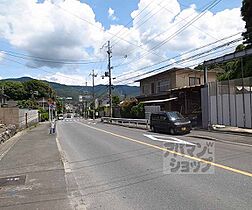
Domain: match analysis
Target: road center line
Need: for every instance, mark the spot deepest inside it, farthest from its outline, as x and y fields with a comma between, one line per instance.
x=245, y=173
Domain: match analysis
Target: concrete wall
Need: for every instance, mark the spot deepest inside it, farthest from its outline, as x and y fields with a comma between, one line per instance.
x=18, y=117
x=9, y=116
x=27, y=117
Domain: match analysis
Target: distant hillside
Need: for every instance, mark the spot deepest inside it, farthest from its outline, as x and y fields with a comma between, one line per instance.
x=75, y=91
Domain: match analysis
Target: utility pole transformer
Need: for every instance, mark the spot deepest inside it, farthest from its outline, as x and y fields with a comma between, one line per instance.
x=110, y=83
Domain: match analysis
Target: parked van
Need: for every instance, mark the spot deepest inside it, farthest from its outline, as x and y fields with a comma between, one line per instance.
x=172, y=122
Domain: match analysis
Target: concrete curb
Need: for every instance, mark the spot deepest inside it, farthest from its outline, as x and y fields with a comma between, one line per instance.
x=224, y=131
x=204, y=137
x=242, y=133
x=219, y=140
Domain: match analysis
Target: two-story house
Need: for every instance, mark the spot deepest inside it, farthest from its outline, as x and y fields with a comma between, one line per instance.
x=176, y=89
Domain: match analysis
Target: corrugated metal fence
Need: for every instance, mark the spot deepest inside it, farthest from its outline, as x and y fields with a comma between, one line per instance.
x=230, y=102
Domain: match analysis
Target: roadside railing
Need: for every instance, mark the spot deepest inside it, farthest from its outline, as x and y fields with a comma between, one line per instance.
x=137, y=123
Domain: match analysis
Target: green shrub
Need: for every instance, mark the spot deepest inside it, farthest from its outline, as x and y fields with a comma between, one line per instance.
x=44, y=116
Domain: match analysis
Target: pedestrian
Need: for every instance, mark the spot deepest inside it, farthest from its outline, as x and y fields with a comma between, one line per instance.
x=53, y=127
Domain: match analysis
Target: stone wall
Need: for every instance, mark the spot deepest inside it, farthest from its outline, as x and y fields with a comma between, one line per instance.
x=7, y=132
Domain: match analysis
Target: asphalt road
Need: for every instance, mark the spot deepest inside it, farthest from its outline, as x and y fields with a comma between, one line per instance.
x=113, y=167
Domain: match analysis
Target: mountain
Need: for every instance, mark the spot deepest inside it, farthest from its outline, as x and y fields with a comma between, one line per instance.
x=74, y=91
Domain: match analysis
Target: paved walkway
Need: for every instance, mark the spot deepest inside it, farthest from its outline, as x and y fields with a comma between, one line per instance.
x=233, y=129
x=36, y=177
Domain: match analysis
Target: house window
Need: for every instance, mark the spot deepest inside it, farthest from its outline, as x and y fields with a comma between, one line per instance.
x=152, y=88
x=163, y=86
x=194, y=81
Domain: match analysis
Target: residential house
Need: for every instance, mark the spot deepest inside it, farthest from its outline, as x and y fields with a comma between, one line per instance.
x=176, y=89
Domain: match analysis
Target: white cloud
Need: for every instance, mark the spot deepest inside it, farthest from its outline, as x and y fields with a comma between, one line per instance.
x=111, y=14
x=166, y=18
x=45, y=30
x=64, y=78
x=71, y=79
x=1, y=56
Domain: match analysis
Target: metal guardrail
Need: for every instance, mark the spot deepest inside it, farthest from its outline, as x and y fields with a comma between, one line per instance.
x=140, y=123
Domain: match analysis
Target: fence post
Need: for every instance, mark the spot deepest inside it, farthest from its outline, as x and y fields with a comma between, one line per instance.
x=250, y=81
x=217, y=103
x=229, y=104
x=26, y=120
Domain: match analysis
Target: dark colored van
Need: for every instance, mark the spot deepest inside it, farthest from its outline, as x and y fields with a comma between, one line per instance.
x=172, y=122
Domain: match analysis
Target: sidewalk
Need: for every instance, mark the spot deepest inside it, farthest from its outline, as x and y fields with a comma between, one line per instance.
x=230, y=129
x=36, y=177
x=221, y=136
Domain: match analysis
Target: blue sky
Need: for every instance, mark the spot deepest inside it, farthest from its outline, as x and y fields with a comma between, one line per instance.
x=123, y=9
x=32, y=42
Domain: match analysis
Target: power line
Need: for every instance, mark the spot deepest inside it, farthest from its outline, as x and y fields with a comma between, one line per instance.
x=132, y=20
x=194, y=57
x=179, y=55
x=43, y=60
x=213, y=4
x=74, y=15
x=40, y=69
x=138, y=26
x=182, y=19
x=213, y=53
x=183, y=62
x=161, y=8
x=189, y=58
x=208, y=7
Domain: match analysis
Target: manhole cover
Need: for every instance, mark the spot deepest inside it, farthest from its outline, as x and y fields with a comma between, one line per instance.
x=12, y=180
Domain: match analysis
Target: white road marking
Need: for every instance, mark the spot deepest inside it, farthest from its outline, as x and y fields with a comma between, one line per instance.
x=167, y=139
x=74, y=196
x=66, y=165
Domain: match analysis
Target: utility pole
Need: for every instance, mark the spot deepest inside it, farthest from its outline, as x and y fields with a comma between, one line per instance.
x=86, y=112
x=110, y=83
x=205, y=75
x=93, y=76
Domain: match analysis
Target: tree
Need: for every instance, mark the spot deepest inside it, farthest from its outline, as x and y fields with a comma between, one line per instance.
x=246, y=12
x=232, y=69
x=115, y=100
x=15, y=90
x=44, y=89
x=138, y=111
x=126, y=107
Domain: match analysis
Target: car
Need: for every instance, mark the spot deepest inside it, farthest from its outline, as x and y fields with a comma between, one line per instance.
x=172, y=122
x=60, y=117
x=69, y=116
